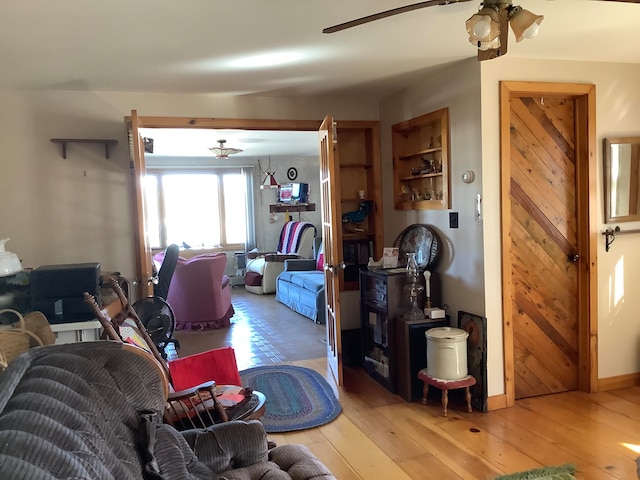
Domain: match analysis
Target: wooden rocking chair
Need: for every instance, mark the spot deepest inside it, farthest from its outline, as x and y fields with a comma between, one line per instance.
x=195, y=407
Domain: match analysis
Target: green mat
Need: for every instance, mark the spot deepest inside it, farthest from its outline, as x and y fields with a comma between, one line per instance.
x=563, y=472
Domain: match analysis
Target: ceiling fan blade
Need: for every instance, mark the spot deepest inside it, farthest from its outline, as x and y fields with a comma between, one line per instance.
x=390, y=13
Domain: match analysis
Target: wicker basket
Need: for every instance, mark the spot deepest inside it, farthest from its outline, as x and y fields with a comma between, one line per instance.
x=16, y=340
x=37, y=323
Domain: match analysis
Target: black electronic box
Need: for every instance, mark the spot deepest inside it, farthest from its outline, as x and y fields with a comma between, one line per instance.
x=58, y=291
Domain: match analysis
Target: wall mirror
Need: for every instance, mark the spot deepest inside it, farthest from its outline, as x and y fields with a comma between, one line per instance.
x=622, y=179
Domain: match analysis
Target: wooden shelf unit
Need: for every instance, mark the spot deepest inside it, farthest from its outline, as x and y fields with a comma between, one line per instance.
x=299, y=207
x=358, y=151
x=421, y=163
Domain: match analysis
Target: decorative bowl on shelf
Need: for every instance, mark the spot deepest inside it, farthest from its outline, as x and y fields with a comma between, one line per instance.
x=415, y=171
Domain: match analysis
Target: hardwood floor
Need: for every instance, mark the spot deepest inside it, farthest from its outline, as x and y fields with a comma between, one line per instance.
x=380, y=436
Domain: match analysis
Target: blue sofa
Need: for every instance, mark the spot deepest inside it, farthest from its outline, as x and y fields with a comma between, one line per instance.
x=301, y=286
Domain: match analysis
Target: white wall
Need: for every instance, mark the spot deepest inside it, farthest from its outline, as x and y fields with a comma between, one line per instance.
x=270, y=228
x=461, y=268
x=617, y=114
x=78, y=209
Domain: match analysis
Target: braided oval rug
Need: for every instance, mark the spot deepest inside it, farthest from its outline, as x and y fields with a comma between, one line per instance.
x=297, y=398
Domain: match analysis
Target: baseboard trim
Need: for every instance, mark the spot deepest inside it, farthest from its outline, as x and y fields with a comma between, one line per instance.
x=619, y=381
x=497, y=402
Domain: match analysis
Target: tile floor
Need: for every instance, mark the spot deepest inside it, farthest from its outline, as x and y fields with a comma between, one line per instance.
x=262, y=331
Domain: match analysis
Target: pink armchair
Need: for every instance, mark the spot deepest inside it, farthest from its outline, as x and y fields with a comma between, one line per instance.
x=200, y=294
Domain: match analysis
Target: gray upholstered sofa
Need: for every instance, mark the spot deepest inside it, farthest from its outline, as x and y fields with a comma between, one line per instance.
x=92, y=411
x=301, y=286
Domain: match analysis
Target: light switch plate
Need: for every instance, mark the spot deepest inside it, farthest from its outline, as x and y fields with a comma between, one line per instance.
x=453, y=219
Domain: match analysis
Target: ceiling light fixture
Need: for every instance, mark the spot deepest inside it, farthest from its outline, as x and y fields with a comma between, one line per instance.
x=269, y=180
x=222, y=151
x=488, y=29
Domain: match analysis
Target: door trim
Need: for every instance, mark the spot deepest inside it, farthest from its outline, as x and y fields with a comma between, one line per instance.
x=586, y=193
x=229, y=123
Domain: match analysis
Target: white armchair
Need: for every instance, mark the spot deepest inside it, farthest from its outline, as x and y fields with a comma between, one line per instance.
x=296, y=241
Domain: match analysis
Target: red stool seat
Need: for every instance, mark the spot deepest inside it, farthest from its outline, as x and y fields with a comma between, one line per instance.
x=445, y=386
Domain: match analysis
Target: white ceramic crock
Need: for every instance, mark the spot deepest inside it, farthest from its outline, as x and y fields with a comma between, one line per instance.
x=447, y=353
x=9, y=262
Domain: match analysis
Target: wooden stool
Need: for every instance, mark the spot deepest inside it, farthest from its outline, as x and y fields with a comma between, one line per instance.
x=445, y=386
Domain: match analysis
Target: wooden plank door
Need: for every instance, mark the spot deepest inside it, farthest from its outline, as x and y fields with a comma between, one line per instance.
x=142, y=248
x=329, y=171
x=543, y=241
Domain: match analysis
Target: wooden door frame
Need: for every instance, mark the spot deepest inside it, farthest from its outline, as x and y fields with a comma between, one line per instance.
x=587, y=235
x=142, y=251
x=218, y=123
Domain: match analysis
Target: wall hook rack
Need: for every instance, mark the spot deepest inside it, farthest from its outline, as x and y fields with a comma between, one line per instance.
x=610, y=235
x=63, y=142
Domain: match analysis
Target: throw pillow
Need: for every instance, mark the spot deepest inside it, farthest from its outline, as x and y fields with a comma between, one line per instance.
x=320, y=262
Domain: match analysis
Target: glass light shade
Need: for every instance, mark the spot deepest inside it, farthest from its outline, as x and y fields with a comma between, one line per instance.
x=492, y=45
x=412, y=267
x=414, y=313
x=222, y=151
x=9, y=262
x=524, y=23
x=483, y=26
x=532, y=31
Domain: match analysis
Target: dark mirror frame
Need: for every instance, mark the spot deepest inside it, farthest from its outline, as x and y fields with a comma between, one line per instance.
x=610, y=183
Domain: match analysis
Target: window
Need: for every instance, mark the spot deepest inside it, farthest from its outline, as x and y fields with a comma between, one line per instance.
x=203, y=209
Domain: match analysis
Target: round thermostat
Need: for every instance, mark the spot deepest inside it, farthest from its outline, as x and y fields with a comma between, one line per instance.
x=468, y=176
x=292, y=173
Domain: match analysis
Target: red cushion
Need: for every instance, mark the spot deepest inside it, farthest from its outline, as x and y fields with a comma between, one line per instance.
x=253, y=279
x=218, y=364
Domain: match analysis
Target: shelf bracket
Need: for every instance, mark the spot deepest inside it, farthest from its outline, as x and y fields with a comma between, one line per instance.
x=63, y=143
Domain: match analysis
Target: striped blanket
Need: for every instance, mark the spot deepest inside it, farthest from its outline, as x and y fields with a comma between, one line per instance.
x=290, y=236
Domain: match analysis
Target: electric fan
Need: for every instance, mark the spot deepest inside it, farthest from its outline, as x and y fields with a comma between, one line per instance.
x=158, y=319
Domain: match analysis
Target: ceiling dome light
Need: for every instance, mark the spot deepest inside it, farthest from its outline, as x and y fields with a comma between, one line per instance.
x=222, y=151
x=524, y=23
x=483, y=26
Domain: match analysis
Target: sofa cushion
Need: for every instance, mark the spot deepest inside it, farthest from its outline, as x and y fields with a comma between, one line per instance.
x=256, y=265
x=312, y=280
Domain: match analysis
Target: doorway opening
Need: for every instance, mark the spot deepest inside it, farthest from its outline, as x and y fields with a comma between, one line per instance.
x=259, y=130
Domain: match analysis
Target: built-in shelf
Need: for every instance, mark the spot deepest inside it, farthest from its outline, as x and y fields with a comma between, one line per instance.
x=63, y=142
x=421, y=162
x=298, y=207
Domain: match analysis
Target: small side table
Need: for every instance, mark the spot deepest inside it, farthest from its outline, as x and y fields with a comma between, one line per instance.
x=445, y=386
